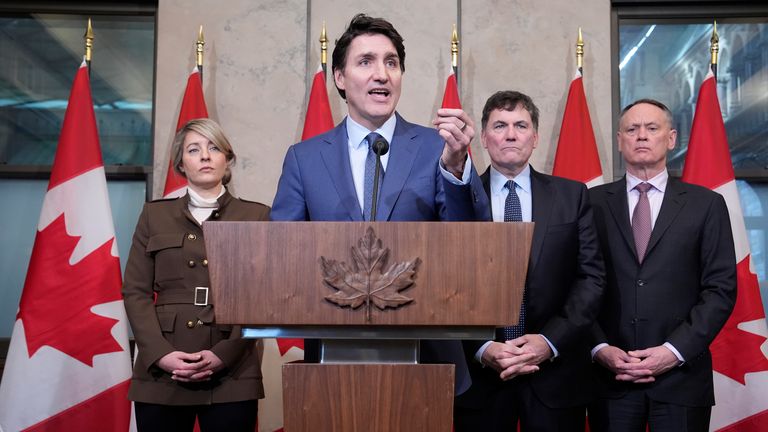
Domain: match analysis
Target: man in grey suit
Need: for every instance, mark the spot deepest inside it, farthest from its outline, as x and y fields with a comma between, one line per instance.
x=671, y=275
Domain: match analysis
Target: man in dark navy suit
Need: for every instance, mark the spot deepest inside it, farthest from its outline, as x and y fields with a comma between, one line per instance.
x=538, y=371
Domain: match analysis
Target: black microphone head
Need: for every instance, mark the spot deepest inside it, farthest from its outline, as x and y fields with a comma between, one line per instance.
x=380, y=146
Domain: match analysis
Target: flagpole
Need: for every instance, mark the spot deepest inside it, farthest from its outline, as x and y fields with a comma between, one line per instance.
x=455, y=53
x=324, y=50
x=88, y=45
x=200, y=43
x=714, y=47
x=580, y=53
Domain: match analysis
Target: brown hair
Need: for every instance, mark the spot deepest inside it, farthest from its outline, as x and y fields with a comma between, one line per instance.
x=509, y=100
x=213, y=133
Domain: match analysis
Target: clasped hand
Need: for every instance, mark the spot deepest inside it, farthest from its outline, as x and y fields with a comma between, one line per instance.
x=640, y=366
x=191, y=367
x=519, y=356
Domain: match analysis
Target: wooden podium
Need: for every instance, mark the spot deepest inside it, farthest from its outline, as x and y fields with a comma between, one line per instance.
x=370, y=292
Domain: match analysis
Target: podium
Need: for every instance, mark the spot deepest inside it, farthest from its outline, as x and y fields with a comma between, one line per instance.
x=369, y=291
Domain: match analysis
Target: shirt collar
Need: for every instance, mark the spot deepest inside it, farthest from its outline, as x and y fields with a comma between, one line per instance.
x=659, y=181
x=357, y=133
x=523, y=180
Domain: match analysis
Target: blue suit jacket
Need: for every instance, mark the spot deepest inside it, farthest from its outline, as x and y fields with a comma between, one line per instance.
x=316, y=183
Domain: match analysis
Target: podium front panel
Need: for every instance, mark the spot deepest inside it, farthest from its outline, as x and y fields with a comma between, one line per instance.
x=272, y=273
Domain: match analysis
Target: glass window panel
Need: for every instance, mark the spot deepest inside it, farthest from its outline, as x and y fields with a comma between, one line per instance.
x=20, y=227
x=41, y=54
x=754, y=199
x=668, y=61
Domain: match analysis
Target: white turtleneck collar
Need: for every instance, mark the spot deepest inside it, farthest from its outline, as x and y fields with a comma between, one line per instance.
x=201, y=208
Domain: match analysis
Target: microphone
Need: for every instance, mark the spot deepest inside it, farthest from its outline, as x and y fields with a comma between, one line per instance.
x=380, y=146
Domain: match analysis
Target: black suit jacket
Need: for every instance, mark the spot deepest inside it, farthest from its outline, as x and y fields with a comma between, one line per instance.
x=682, y=293
x=564, y=285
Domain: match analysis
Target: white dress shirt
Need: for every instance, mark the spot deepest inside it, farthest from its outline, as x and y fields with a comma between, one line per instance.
x=358, y=152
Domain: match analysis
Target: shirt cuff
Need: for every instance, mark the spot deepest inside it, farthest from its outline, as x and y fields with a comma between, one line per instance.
x=479, y=353
x=466, y=175
x=552, y=347
x=597, y=348
x=675, y=352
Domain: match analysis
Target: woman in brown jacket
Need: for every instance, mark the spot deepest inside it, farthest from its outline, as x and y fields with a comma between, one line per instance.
x=187, y=366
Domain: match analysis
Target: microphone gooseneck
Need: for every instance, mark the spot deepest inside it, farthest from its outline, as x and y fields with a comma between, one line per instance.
x=380, y=147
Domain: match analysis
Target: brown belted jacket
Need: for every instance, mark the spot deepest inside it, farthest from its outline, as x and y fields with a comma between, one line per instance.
x=168, y=260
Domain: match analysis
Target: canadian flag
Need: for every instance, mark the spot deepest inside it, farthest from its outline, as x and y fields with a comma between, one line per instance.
x=451, y=95
x=319, y=118
x=68, y=364
x=739, y=352
x=192, y=107
x=576, y=157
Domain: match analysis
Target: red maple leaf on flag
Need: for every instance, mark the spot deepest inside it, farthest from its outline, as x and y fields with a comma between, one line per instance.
x=748, y=308
x=57, y=299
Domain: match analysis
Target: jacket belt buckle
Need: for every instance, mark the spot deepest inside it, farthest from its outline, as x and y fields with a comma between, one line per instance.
x=201, y=296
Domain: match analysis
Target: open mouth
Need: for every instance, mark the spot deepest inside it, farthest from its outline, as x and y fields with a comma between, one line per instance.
x=379, y=93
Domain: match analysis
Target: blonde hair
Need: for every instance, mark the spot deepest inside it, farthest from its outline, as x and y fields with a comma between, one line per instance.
x=211, y=131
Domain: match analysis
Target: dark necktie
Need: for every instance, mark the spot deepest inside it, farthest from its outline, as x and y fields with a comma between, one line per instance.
x=641, y=221
x=370, y=171
x=513, y=212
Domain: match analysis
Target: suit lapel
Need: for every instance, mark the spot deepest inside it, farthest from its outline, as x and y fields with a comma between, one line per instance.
x=403, y=150
x=619, y=208
x=542, y=199
x=673, y=202
x=485, y=179
x=335, y=154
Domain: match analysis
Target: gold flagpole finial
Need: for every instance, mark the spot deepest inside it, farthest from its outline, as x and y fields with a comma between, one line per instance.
x=714, y=44
x=580, y=51
x=88, y=42
x=200, y=43
x=454, y=48
x=323, y=47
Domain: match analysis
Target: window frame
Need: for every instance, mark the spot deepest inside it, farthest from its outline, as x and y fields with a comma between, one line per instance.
x=91, y=8
x=675, y=12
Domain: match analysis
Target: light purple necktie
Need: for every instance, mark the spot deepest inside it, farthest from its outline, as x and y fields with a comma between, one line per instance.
x=641, y=221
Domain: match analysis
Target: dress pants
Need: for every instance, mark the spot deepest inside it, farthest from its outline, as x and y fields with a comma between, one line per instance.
x=635, y=411
x=515, y=400
x=224, y=417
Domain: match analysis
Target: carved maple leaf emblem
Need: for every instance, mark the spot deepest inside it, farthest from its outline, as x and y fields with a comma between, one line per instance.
x=366, y=281
x=57, y=299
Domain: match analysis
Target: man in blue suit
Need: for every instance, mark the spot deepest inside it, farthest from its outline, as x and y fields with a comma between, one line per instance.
x=427, y=174
x=323, y=177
